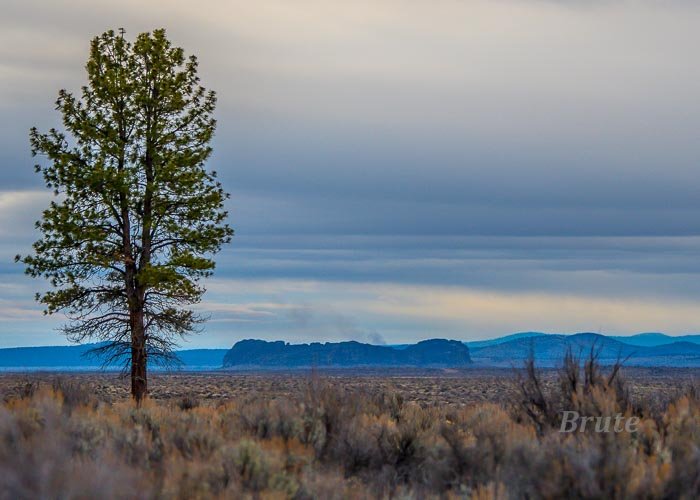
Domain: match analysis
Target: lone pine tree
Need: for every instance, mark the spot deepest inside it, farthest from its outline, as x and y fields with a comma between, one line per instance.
x=137, y=217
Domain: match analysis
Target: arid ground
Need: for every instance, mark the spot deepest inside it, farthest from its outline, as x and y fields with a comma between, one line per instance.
x=425, y=387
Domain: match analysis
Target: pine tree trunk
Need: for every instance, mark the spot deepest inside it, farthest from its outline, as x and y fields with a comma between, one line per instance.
x=139, y=379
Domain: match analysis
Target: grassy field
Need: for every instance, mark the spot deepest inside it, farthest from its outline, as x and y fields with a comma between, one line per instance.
x=399, y=434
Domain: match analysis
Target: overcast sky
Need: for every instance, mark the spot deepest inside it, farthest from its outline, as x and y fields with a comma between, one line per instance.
x=407, y=169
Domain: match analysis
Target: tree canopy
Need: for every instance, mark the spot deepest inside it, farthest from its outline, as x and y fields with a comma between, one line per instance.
x=137, y=217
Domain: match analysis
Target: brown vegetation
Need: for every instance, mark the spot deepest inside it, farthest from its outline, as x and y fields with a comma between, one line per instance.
x=324, y=439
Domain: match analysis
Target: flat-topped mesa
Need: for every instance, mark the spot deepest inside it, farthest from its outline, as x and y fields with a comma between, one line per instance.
x=259, y=353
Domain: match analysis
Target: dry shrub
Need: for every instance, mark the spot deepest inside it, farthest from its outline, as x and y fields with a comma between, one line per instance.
x=582, y=387
x=188, y=402
x=681, y=428
x=74, y=394
x=45, y=454
x=327, y=441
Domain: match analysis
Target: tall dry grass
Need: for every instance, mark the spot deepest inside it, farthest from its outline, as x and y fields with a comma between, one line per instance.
x=58, y=441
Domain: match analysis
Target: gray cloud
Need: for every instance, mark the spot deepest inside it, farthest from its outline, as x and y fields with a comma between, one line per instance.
x=510, y=146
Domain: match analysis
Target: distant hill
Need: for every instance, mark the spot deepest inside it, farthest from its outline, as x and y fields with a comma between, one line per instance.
x=501, y=340
x=657, y=339
x=549, y=350
x=552, y=347
x=48, y=356
x=77, y=357
x=262, y=354
x=649, y=339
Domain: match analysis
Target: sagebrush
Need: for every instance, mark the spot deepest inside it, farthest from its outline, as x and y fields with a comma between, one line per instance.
x=326, y=441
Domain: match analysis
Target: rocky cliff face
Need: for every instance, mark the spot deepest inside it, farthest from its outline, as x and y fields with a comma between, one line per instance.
x=259, y=353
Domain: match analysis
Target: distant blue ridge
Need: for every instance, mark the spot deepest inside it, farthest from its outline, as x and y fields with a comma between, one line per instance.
x=77, y=357
x=644, y=349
